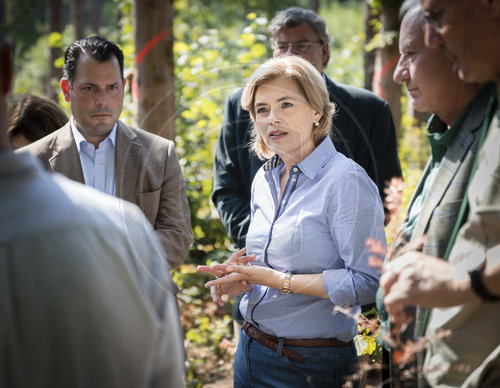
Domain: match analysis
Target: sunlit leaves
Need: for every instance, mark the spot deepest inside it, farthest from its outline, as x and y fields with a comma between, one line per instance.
x=366, y=342
x=258, y=50
x=346, y=43
x=59, y=63
x=55, y=39
x=381, y=39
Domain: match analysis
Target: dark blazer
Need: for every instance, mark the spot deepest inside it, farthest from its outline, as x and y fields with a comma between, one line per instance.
x=362, y=130
x=147, y=173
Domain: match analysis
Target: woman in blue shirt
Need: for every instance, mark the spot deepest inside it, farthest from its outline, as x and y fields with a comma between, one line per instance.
x=313, y=212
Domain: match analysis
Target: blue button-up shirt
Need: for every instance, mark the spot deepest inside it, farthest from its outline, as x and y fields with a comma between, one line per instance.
x=328, y=211
x=98, y=165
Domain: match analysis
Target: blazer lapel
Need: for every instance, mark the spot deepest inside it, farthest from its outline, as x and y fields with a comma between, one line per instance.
x=450, y=165
x=65, y=158
x=127, y=163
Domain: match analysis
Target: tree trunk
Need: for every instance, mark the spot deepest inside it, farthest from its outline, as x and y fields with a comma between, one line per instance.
x=154, y=67
x=54, y=10
x=314, y=5
x=95, y=16
x=78, y=17
x=369, y=56
x=386, y=59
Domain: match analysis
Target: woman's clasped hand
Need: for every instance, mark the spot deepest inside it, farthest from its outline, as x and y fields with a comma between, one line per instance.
x=229, y=281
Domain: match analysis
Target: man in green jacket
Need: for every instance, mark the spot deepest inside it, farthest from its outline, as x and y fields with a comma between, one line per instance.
x=463, y=291
x=458, y=110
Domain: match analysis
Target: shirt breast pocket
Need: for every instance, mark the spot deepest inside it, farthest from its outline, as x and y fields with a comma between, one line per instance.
x=311, y=243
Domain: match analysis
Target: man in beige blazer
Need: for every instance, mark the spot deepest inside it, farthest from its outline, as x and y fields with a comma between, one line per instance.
x=86, y=299
x=97, y=149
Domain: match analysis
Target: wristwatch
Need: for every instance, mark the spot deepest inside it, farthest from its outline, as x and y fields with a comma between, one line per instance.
x=285, y=287
x=478, y=286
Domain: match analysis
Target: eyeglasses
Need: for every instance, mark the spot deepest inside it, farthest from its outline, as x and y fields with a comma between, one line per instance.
x=297, y=47
x=435, y=18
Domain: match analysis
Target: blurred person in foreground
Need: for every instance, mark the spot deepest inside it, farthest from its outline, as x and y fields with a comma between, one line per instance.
x=312, y=212
x=97, y=149
x=32, y=118
x=362, y=129
x=85, y=298
x=463, y=291
x=458, y=111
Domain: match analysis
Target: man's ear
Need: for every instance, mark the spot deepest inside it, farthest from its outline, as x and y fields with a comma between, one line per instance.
x=326, y=52
x=65, y=88
x=7, y=68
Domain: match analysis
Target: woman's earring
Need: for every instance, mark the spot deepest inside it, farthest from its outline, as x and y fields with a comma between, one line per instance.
x=316, y=124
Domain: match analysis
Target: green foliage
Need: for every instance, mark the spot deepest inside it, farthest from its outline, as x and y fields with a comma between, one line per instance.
x=345, y=27
x=208, y=335
x=210, y=65
x=414, y=150
x=32, y=66
x=24, y=21
x=381, y=38
x=31, y=76
x=366, y=343
x=55, y=39
x=208, y=14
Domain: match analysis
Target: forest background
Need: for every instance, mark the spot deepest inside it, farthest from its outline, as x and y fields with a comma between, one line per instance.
x=214, y=46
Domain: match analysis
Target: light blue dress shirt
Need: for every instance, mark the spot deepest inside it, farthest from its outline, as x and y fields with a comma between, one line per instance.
x=98, y=165
x=329, y=209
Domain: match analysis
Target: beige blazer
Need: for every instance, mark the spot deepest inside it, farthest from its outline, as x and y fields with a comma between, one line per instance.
x=147, y=173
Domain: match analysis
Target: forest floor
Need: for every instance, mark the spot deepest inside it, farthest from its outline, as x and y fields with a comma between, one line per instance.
x=223, y=383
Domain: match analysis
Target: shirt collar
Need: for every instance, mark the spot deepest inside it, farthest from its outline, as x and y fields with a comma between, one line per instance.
x=317, y=159
x=77, y=135
x=440, y=137
x=314, y=162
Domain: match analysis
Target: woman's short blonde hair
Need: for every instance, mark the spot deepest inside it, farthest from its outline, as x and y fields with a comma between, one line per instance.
x=309, y=81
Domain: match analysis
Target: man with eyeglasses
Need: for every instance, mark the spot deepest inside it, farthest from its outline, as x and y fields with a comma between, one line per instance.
x=362, y=127
x=97, y=149
x=463, y=292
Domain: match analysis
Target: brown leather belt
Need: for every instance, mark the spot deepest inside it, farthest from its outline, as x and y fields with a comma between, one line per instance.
x=271, y=342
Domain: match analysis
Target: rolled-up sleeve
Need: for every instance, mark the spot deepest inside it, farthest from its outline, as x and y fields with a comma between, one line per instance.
x=355, y=217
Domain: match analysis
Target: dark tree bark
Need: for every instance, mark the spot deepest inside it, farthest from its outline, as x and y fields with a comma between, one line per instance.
x=314, y=5
x=55, y=24
x=386, y=59
x=78, y=17
x=154, y=71
x=369, y=56
x=95, y=16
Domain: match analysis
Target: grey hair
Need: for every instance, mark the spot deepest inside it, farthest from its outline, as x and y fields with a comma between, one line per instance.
x=409, y=6
x=295, y=16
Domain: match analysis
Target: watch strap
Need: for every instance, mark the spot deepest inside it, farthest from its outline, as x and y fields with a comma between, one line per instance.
x=478, y=286
x=285, y=287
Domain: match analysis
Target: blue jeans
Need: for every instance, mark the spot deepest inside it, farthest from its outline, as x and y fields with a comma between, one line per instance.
x=258, y=366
